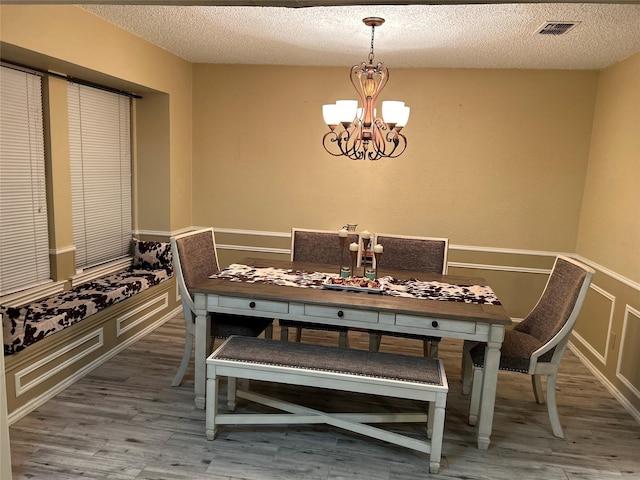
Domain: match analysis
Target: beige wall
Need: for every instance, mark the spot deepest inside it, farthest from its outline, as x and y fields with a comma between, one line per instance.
x=70, y=40
x=608, y=334
x=495, y=157
x=610, y=220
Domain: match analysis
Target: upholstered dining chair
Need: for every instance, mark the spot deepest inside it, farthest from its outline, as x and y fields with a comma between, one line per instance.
x=401, y=252
x=318, y=246
x=535, y=345
x=196, y=258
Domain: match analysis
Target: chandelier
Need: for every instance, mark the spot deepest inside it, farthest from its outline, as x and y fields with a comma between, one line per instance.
x=356, y=132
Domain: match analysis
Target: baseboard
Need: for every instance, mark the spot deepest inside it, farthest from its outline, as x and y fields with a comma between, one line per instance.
x=607, y=384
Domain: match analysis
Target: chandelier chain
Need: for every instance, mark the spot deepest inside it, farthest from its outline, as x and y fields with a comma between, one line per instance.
x=373, y=29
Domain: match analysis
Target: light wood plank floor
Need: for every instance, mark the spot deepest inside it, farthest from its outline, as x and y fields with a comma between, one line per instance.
x=124, y=421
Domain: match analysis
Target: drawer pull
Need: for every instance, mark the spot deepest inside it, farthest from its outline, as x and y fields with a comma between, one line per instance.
x=253, y=305
x=340, y=313
x=434, y=324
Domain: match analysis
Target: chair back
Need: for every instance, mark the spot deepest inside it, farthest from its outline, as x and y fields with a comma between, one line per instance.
x=320, y=246
x=195, y=258
x=425, y=254
x=555, y=314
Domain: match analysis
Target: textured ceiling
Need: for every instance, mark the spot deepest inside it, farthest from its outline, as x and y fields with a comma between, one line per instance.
x=470, y=35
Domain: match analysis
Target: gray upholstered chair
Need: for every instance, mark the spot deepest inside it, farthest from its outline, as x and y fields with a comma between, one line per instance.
x=535, y=345
x=424, y=254
x=195, y=258
x=318, y=246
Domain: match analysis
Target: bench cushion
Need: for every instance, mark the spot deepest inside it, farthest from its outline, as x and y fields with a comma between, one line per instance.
x=23, y=326
x=331, y=359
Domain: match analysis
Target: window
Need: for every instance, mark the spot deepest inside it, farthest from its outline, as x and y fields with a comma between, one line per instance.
x=100, y=151
x=24, y=243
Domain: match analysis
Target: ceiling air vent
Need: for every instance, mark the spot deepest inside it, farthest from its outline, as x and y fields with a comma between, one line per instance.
x=556, y=28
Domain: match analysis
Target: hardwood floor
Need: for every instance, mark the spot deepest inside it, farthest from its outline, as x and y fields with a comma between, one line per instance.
x=124, y=421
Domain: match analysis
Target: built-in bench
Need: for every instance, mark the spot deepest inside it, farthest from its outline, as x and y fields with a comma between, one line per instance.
x=349, y=370
x=52, y=342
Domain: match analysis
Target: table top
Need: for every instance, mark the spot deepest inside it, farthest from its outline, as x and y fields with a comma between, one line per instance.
x=485, y=313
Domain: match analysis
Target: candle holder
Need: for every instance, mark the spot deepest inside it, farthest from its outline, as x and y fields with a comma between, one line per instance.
x=354, y=257
x=344, y=271
x=367, y=273
x=377, y=255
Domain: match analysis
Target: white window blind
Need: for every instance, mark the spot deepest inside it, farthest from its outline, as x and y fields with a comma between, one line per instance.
x=100, y=151
x=24, y=242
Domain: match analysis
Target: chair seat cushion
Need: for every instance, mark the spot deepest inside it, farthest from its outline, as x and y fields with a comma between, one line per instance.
x=224, y=325
x=516, y=351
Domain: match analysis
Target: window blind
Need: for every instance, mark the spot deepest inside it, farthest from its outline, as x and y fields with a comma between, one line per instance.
x=100, y=154
x=24, y=241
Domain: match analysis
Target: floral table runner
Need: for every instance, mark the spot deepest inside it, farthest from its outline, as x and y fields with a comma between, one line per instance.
x=410, y=288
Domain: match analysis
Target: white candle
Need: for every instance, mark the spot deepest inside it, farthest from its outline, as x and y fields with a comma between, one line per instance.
x=366, y=235
x=378, y=248
x=343, y=233
x=353, y=247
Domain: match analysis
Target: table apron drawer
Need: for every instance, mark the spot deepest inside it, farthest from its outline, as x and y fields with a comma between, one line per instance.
x=249, y=304
x=341, y=313
x=432, y=326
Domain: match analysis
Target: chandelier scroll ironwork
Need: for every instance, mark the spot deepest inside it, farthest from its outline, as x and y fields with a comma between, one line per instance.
x=355, y=131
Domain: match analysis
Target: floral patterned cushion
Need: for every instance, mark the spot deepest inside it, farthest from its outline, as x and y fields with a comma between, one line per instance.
x=23, y=326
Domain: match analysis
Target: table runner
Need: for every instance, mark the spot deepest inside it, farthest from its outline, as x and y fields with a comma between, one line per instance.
x=411, y=288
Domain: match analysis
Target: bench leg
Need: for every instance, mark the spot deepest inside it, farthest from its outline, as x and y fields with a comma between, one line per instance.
x=211, y=408
x=437, y=436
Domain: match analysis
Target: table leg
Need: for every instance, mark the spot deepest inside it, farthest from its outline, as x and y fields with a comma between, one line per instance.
x=489, y=386
x=202, y=340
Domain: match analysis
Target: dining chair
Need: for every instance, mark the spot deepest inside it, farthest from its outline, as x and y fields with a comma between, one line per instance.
x=535, y=345
x=196, y=258
x=402, y=252
x=318, y=246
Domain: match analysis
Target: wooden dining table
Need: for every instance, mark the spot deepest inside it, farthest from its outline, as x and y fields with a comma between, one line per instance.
x=480, y=322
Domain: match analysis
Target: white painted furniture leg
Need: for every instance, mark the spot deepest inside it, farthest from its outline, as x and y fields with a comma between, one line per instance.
x=203, y=329
x=212, y=406
x=552, y=407
x=536, y=382
x=186, y=356
x=489, y=385
x=474, y=401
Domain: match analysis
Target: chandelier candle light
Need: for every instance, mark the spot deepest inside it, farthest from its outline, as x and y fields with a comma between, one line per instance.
x=356, y=132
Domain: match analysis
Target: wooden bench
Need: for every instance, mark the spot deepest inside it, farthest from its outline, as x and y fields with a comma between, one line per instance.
x=350, y=370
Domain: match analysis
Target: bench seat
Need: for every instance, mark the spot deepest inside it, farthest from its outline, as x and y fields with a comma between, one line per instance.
x=25, y=325
x=350, y=370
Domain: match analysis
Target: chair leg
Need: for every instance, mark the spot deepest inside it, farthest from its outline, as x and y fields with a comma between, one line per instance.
x=374, y=341
x=431, y=349
x=536, y=382
x=343, y=340
x=268, y=332
x=186, y=357
x=552, y=407
x=476, y=387
x=284, y=333
x=298, y=334
x=232, y=386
